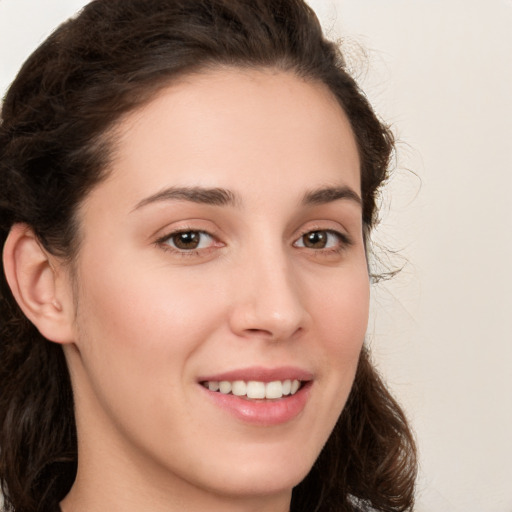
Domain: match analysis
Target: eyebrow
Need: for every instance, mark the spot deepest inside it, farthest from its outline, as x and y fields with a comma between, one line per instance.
x=224, y=197
x=329, y=194
x=201, y=195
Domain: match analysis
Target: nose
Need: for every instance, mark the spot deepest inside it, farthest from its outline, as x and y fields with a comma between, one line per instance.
x=267, y=300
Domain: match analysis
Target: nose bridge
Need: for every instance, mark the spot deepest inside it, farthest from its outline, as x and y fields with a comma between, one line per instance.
x=268, y=301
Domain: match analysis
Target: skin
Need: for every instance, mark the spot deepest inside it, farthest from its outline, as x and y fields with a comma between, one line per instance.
x=146, y=319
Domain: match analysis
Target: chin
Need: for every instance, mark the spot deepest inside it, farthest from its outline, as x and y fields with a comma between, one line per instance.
x=276, y=474
x=267, y=483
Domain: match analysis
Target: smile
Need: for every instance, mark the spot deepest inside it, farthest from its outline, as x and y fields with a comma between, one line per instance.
x=255, y=390
x=260, y=396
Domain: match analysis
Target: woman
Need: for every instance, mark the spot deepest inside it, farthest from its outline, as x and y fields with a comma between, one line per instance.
x=188, y=188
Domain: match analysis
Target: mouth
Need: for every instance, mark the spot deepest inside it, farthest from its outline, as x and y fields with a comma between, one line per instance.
x=254, y=389
x=260, y=396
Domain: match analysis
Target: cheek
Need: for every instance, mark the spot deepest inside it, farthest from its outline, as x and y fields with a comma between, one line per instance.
x=138, y=334
x=136, y=322
x=342, y=309
x=134, y=300
x=341, y=320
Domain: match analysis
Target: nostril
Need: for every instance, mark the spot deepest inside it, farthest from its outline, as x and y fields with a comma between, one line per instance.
x=261, y=332
x=272, y=335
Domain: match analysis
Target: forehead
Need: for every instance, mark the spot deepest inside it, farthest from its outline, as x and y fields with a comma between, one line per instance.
x=236, y=128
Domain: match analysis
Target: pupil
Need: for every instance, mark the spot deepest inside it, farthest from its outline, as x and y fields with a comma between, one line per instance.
x=188, y=240
x=316, y=239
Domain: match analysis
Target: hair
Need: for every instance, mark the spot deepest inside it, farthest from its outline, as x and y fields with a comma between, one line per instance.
x=55, y=145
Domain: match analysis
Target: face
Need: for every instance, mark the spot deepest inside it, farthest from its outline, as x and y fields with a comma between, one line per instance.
x=221, y=287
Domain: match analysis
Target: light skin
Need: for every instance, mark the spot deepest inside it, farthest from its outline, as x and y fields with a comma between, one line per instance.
x=260, y=169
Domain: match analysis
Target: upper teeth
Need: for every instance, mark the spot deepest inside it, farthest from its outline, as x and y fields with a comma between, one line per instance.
x=255, y=389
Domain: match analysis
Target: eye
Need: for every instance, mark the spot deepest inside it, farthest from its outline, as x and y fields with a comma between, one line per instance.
x=189, y=240
x=322, y=239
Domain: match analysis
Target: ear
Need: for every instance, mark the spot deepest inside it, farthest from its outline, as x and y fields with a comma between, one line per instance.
x=40, y=285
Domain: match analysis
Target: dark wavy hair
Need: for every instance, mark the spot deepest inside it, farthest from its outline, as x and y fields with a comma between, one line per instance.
x=55, y=146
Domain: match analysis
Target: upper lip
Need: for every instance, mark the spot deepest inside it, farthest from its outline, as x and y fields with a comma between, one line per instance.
x=261, y=374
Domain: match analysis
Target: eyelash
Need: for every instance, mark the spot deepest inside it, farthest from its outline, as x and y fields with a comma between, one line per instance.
x=343, y=242
x=163, y=242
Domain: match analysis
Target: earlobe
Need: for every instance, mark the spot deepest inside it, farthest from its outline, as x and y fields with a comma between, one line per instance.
x=38, y=285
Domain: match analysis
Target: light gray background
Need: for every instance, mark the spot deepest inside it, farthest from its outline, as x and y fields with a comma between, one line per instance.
x=440, y=72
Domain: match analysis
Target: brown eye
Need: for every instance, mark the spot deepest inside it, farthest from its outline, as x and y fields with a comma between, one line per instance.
x=315, y=240
x=322, y=239
x=189, y=240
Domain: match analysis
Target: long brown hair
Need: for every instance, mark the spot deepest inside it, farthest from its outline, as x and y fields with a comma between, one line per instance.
x=54, y=147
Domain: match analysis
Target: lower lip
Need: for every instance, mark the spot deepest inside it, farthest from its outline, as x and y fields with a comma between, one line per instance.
x=263, y=412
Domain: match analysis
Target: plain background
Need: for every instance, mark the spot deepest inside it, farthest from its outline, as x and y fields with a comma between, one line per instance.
x=440, y=72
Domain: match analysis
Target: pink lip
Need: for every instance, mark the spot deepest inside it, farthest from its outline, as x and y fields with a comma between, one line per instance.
x=262, y=412
x=261, y=374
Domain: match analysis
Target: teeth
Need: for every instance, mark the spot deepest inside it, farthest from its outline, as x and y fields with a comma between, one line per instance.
x=274, y=389
x=225, y=387
x=295, y=387
x=255, y=390
x=239, y=388
x=213, y=385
